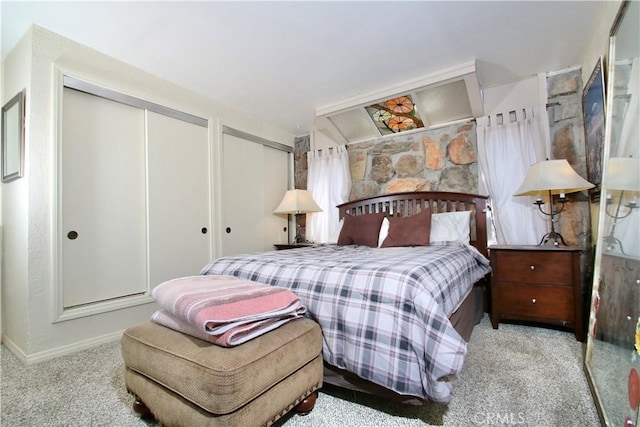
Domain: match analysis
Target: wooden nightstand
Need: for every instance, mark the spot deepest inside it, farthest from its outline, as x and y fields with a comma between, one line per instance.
x=282, y=246
x=537, y=284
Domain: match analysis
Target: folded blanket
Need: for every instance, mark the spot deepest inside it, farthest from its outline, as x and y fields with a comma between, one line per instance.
x=224, y=310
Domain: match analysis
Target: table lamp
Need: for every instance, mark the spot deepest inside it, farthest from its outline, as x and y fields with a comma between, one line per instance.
x=554, y=177
x=297, y=202
x=623, y=174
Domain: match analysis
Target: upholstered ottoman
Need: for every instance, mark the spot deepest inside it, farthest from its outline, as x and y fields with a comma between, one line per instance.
x=184, y=381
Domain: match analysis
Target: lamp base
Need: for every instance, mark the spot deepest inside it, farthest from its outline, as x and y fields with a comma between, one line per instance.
x=552, y=238
x=300, y=238
x=610, y=243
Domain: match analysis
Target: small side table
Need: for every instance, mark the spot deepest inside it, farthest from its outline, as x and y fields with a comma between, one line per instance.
x=282, y=246
x=537, y=284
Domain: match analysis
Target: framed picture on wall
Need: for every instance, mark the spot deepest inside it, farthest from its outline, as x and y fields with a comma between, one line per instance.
x=593, y=104
x=13, y=138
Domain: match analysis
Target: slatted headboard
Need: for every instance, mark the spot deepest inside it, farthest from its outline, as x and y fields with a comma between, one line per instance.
x=407, y=204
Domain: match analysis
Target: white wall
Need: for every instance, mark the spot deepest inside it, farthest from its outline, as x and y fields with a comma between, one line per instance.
x=599, y=43
x=16, y=75
x=2, y=101
x=525, y=93
x=532, y=91
x=29, y=203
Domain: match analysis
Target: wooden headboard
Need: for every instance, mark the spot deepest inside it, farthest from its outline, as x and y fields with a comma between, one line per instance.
x=407, y=204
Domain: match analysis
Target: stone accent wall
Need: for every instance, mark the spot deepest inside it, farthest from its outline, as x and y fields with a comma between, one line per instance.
x=566, y=123
x=444, y=159
x=301, y=146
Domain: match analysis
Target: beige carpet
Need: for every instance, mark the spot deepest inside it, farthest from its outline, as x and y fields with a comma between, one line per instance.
x=515, y=375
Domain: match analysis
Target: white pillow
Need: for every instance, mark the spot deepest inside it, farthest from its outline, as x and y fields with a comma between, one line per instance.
x=450, y=226
x=384, y=231
x=334, y=238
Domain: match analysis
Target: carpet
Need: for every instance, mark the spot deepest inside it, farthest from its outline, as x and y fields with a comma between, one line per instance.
x=516, y=375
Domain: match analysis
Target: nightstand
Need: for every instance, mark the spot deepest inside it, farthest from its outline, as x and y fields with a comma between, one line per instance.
x=537, y=284
x=282, y=246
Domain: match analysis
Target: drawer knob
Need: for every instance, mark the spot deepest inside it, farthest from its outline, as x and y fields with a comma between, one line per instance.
x=533, y=301
x=533, y=267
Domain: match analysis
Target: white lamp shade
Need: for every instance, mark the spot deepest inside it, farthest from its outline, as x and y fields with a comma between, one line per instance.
x=623, y=174
x=555, y=176
x=297, y=201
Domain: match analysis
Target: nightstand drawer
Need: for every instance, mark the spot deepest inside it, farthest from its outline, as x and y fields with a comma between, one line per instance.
x=534, y=267
x=531, y=301
x=537, y=284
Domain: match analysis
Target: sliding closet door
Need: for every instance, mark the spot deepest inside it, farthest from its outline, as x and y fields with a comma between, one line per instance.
x=276, y=174
x=103, y=199
x=254, y=180
x=179, y=202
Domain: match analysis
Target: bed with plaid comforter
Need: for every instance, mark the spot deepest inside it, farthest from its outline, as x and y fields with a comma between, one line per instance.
x=383, y=311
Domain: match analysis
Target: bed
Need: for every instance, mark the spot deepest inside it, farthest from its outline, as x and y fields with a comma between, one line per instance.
x=395, y=319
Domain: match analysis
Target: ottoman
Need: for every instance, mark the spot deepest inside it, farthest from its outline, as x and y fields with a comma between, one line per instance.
x=184, y=381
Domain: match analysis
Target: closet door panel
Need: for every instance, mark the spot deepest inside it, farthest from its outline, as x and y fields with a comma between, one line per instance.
x=179, y=198
x=276, y=179
x=103, y=203
x=242, y=195
x=254, y=180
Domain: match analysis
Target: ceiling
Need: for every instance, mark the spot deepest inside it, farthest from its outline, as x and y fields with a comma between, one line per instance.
x=280, y=61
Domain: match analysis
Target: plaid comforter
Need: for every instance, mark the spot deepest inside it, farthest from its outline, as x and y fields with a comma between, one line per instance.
x=383, y=311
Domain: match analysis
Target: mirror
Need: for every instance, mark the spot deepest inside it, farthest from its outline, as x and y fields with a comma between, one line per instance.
x=612, y=361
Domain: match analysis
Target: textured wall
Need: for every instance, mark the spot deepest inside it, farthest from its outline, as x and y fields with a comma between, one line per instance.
x=566, y=125
x=301, y=147
x=443, y=159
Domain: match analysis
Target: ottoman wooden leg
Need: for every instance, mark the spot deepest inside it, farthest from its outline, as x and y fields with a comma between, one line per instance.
x=140, y=408
x=306, y=406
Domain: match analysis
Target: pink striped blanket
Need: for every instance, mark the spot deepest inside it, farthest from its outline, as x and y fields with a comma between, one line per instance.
x=224, y=310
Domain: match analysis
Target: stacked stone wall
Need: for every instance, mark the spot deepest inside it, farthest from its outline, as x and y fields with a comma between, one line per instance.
x=566, y=126
x=437, y=160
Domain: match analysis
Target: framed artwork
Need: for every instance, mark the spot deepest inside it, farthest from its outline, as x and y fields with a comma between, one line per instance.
x=593, y=105
x=13, y=138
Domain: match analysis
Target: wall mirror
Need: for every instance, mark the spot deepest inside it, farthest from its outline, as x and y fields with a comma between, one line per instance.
x=612, y=361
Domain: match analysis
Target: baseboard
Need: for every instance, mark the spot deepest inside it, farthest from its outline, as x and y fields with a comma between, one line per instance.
x=59, y=351
x=13, y=348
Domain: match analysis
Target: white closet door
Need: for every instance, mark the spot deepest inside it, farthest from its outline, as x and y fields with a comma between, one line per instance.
x=179, y=198
x=276, y=173
x=254, y=181
x=103, y=208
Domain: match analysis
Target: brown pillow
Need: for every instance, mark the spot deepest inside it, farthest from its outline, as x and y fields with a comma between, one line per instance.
x=410, y=231
x=361, y=230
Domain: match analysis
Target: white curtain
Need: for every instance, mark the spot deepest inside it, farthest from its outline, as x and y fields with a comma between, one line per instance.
x=508, y=143
x=329, y=182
